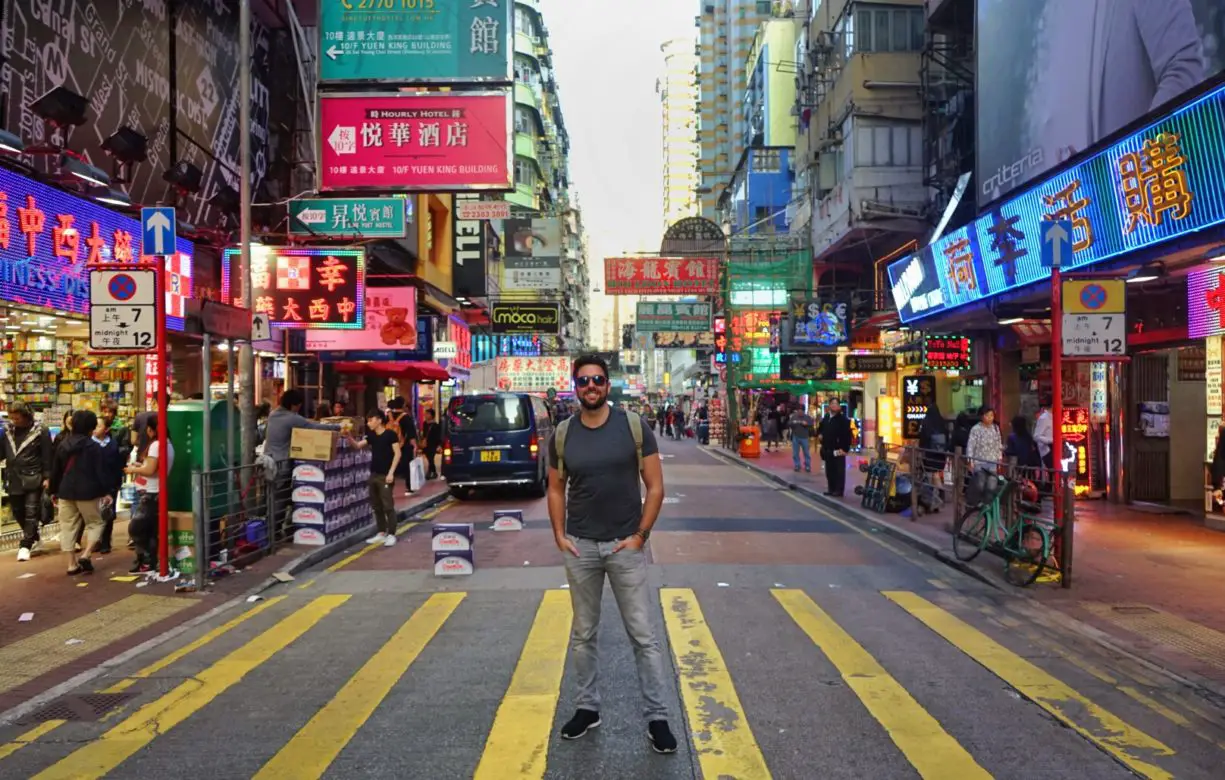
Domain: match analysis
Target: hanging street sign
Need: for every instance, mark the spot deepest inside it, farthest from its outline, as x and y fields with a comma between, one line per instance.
x=687, y=317
x=123, y=310
x=1094, y=317
x=365, y=217
x=415, y=41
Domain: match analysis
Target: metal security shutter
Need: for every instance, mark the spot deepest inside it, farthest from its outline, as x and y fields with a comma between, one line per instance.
x=1150, y=461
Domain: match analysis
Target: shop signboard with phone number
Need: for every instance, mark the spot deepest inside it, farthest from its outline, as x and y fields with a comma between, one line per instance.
x=1159, y=183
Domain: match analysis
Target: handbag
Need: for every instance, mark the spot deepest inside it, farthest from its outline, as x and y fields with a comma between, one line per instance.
x=416, y=474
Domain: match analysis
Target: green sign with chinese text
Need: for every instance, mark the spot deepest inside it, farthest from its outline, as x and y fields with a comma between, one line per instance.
x=365, y=217
x=675, y=316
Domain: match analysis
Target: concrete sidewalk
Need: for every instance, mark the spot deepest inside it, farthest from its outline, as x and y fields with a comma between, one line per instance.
x=53, y=627
x=1151, y=582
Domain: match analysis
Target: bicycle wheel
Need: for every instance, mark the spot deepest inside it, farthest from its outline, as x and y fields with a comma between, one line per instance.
x=1025, y=554
x=970, y=534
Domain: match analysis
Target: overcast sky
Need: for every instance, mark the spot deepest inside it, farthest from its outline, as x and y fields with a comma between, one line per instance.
x=606, y=57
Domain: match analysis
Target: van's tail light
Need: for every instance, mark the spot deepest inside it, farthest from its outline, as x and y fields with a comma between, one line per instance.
x=446, y=451
x=533, y=446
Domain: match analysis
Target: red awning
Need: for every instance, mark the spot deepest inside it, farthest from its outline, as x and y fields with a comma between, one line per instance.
x=413, y=370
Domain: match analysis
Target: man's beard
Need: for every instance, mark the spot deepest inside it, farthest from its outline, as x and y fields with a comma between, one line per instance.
x=592, y=405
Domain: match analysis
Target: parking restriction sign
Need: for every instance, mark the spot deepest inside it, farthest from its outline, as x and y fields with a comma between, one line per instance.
x=123, y=310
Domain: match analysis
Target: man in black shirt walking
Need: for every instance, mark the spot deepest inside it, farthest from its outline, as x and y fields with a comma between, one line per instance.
x=601, y=529
x=384, y=458
x=835, y=436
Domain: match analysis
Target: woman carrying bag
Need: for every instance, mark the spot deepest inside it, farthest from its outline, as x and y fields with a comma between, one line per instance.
x=81, y=488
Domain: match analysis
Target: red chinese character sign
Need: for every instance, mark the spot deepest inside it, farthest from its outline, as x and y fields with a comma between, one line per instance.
x=319, y=288
x=946, y=353
x=661, y=275
x=1076, y=458
x=415, y=142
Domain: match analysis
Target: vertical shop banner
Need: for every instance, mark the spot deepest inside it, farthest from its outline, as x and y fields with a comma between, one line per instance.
x=534, y=375
x=808, y=368
x=1206, y=302
x=460, y=335
x=468, y=270
x=49, y=238
x=391, y=317
x=1075, y=429
x=532, y=257
x=302, y=287
x=918, y=395
x=415, y=141
x=415, y=40
x=673, y=315
x=1098, y=403
x=817, y=326
x=1027, y=50
x=661, y=276
x=1213, y=376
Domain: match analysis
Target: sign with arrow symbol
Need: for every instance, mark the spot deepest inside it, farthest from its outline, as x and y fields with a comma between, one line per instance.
x=157, y=230
x=1056, y=243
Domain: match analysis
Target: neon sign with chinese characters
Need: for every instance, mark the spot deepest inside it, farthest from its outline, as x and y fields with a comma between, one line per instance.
x=1075, y=428
x=1206, y=302
x=48, y=238
x=946, y=353
x=460, y=334
x=303, y=287
x=1161, y=182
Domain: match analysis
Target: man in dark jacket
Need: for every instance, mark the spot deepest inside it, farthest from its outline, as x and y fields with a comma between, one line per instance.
x=835, y=435
x=26, y=448
x=120, y=438
x=431, y=443
x=82, y=485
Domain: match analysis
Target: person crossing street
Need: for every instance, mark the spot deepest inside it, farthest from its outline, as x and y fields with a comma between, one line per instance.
x=601, y=527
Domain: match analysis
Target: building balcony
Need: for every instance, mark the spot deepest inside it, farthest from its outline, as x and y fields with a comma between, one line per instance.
x=526, y=95
x=523, y=195
x=524, y=44
x=872, y=204
x=525, y=146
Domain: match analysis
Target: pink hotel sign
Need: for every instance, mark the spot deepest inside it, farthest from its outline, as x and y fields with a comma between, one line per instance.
x=416, y=141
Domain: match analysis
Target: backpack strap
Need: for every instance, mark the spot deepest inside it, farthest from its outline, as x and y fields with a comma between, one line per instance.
x=635, y=422
x=559, y=446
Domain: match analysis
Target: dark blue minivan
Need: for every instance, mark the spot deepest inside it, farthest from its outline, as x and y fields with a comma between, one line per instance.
x=496, y=440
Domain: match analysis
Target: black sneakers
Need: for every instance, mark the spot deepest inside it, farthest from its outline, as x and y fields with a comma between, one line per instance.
x=582, y=722
x=661, y=736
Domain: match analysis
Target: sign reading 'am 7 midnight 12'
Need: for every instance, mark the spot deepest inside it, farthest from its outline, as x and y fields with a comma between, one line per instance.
x=415, y=40
x=1161, y=182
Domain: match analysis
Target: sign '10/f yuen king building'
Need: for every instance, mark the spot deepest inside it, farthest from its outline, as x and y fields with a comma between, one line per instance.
x=1164, y=181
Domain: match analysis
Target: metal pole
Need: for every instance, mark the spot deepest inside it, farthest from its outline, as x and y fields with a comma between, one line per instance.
x=247, y=359
x=163, y=398
x=1057, y=388
x=229, y=425
x=1118, y=425
x=206, y=435
x=1067, y=536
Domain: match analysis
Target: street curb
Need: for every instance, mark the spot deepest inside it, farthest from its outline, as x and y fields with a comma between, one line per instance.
x=860, y=517
x=301, y=563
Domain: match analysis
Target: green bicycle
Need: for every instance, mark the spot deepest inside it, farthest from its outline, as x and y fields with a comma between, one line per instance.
x=1026, y=547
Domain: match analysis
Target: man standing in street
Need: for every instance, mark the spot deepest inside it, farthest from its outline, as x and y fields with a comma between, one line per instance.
x=281, y=424
x=431, y=443
x=835, y=440
x=801, y=423
x=26, y=449
x=384, y=458
x=601, y=529
x=121, y=436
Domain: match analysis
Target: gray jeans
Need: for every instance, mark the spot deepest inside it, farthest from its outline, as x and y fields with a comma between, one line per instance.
x=627, y=573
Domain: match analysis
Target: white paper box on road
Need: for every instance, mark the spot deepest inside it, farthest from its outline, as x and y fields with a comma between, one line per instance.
x=454, y=563
x=508, y=519
x=452, y=536
x=309, y=536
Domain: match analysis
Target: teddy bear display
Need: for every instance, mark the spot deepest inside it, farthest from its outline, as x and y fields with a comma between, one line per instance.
x=397, y=329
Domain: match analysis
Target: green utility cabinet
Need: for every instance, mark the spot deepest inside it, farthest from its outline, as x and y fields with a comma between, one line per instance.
x=185, y=424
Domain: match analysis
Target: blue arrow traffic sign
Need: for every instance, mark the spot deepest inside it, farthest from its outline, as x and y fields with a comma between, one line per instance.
x=157, y=230
x=1056, y=243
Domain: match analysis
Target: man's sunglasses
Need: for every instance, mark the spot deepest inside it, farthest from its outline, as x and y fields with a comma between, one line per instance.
x=599, y=380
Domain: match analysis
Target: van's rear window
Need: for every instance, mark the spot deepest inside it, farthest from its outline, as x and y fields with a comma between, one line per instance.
x=488, y=413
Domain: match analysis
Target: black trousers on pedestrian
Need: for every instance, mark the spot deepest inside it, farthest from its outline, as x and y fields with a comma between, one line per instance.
x=431, y=469
x=143, y=528
x=835, y=473
x=28, y=513
x=108, y=525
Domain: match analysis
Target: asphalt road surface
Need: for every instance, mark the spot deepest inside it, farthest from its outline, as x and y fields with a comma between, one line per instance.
x=801, y=645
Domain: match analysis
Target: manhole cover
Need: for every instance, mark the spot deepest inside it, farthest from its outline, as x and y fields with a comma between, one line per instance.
x=87, y=707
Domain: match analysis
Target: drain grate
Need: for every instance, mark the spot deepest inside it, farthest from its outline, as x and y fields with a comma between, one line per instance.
x=86, y=707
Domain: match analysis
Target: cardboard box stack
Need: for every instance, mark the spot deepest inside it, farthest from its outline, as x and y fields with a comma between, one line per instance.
x=452, y=546
x=330, y=497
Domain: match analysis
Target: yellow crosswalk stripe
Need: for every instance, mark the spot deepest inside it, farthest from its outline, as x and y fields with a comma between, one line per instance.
x=316, y=745
x=1131, y=746
x=931, y=750
x=121, y=742
x=724, y=742
x=190, y=647
x=41, y=730
x=518, y=742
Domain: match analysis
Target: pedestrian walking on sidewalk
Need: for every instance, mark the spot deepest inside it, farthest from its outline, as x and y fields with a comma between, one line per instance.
x=431, y=443
x=27, y=453
x=385, y=453
x=835, y=434
x=121, y=436
x=801, y=423
x=81, y=486
x=143, y=525
x=601, y=527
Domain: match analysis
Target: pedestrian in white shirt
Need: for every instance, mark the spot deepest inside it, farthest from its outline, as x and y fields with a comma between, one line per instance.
x=143, y=525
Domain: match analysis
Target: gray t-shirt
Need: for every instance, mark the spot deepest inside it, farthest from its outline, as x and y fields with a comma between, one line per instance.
x=801, y=425
x=605, y=499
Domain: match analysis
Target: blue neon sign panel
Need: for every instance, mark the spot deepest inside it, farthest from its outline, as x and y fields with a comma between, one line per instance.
x=1165, y=181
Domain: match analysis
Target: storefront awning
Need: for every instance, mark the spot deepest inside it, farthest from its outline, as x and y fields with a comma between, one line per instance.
x=412, y=370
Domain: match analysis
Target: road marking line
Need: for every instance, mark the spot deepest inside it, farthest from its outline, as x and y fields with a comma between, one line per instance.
x=32, y=735
x=190, y=647
x=523, y=725
x=46, y=651
x=723, y=739
x=313, y=749
x=121, y=742
x=1134, y=748
x=447, y=504
x=931, y=750
x=938, y=584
